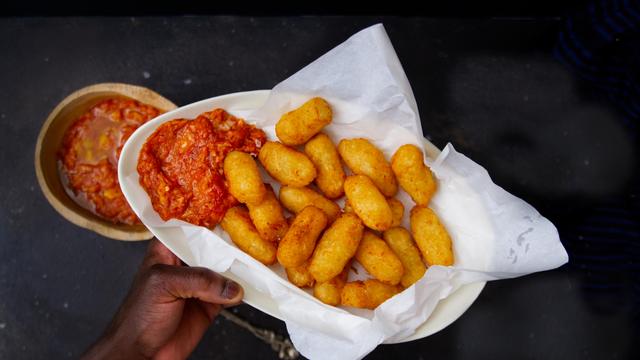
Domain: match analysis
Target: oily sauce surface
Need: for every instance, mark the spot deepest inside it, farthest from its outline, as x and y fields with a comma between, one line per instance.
x=90, y=151
x=181, y=165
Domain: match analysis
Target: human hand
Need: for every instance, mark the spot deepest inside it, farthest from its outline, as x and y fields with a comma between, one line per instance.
x=167, y=310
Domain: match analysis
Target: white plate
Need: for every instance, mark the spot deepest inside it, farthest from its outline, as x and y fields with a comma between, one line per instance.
x=447, y=310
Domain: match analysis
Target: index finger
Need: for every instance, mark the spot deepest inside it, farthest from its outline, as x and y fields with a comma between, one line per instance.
x=157, y=253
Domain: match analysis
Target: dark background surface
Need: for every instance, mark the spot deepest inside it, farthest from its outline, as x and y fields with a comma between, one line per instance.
x=489, y=86
x=451, y=8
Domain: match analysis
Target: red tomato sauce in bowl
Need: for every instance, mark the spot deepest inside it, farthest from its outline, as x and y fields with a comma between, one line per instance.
x=88, y=158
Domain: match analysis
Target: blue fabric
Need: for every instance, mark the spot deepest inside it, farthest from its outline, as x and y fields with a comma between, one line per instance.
x=601, y=45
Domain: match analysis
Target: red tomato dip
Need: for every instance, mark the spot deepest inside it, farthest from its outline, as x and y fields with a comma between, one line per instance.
x=180, y=165
x=89, y=156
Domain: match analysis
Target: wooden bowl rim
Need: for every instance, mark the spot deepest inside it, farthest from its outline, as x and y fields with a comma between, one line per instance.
x=91, y=222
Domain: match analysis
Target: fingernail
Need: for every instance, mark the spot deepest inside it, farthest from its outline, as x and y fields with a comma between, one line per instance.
x=230, y=290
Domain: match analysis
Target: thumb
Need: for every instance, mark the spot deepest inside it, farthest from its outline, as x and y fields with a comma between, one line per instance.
x=181, y=282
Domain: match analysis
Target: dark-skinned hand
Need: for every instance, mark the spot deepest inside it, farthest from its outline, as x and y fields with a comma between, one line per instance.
x=167, y=310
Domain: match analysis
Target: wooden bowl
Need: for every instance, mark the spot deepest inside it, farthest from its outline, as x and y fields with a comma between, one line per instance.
x=50, y=140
